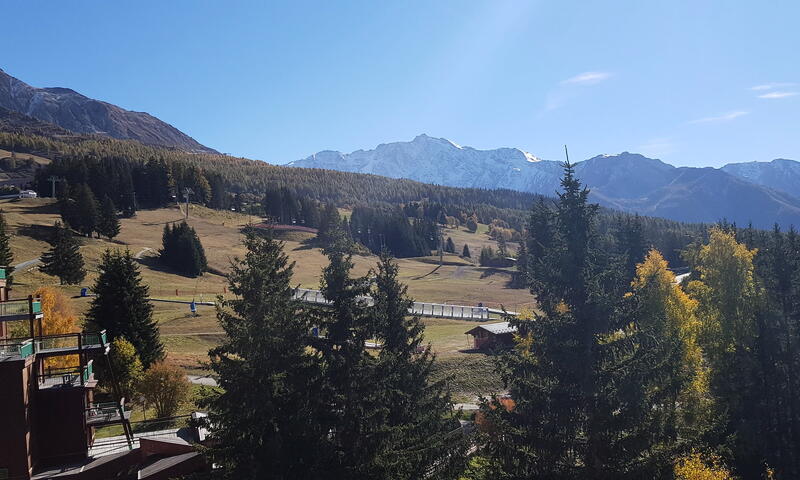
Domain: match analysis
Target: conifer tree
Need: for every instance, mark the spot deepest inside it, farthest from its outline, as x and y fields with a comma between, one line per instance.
x=419, y=423
x=465, y=252
x=87, y=215
x=352, y=418
x=64, y=259
x=6, y=255
x=108, y=224
x=121, y=305
x=182, y=250
x=584, y=394
x=449, y=246
x=265, y=419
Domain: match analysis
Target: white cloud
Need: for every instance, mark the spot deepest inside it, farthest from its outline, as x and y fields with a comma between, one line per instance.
x=587, y=78
x=778, y=95
x=720, y=118
x=656, y=147
x=770, y=86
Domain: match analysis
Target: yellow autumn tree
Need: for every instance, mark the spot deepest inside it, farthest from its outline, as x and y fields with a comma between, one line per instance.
x=663, y=300
x=726, y=292
x=58, y=317
x=695, y=467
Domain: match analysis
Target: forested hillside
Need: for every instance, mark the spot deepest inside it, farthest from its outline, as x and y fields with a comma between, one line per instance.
x=134, y=176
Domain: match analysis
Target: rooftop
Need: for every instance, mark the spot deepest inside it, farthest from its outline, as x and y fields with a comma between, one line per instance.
x=494, y=328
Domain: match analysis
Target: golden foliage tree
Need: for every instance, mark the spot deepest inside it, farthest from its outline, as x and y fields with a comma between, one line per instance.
x=695, y=467
x=661, y=297
x=58, y=318
x=165, y=387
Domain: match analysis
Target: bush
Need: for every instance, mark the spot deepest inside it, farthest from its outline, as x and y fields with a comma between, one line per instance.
x=126, y=365
x=165, y=387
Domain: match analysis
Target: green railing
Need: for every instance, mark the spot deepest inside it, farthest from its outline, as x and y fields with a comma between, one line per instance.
x=88, y=370
x=19, y=307
x=16, y=346
x=2, y=273
x=69, y=376
x=71, y=341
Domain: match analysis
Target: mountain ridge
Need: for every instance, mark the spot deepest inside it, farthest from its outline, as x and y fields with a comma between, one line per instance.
x=78, y=113
x=626, y=181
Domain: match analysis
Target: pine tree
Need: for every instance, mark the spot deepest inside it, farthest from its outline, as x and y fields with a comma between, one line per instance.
x=108, y=223
x=582, y=388
x=449, y=246
x=264, y=420
x=121, y=306
x=182, y=250
x=6, y=255
x=64, y=259
x=465, y=252
x=419, y=423
x=632, y=243
x=353, y=418
x=86, y=212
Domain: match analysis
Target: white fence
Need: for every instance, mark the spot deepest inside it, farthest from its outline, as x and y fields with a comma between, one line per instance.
x=424, y=309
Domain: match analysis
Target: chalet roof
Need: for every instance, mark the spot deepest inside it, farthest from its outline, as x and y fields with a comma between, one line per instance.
x=494, y=328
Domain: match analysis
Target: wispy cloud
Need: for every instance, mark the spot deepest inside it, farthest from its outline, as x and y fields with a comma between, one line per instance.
x=721, y=118
x=656, y=147
x=587, y=78
x=770, y=86
x=778, y=95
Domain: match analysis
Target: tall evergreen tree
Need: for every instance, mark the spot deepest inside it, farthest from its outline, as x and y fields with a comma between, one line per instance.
x=182, y=250
x=584, y=393
x=64, y=259
x=86, y=210
x=108, y=224
x=465, y=252
x=352, y=418
x=121, y=305
x=6, y=255
x=265, y=419
x=420, y=432
x=449, y=246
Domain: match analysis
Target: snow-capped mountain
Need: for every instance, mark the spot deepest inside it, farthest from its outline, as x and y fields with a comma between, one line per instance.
x=761, y=193
x=440, y=161
x=779, y=174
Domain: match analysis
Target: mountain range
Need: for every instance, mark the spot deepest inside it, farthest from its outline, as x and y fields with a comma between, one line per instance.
x=761, y=193
x=77, y=113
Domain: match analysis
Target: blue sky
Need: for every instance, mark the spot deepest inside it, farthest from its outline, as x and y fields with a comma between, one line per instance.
x=691, y=82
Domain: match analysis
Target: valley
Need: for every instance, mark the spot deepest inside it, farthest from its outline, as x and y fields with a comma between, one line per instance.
x=188, y=337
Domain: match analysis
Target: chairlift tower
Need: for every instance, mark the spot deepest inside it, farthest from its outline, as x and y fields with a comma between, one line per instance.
x=187, y=192
x=53, y=180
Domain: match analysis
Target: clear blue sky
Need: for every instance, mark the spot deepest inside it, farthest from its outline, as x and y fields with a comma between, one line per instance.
x=279, y=81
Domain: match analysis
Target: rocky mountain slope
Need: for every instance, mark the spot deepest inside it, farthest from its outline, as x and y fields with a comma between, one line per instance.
x=629, y=182
x=779, y=174
x=77, y=113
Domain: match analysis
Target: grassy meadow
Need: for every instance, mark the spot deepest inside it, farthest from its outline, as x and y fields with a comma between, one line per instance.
x=188, y=337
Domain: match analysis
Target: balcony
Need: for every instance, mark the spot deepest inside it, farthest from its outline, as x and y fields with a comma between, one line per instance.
x=66, y=377
x=13, y=347
x=12, y=310
x=70, y=343
x=106, y=413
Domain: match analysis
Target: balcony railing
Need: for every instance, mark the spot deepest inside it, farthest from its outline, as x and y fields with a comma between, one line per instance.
x=71, y=342
x=66, y=377
x=19, y=309
x=16, y=346
x=105, y=413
